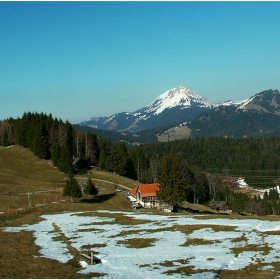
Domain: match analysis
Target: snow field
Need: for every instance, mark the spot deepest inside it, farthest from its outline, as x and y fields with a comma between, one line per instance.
x=104, y=235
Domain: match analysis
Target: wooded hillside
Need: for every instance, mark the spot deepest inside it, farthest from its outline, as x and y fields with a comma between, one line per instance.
x=255, y=159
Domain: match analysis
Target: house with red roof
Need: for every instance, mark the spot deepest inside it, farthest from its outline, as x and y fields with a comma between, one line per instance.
x=146, y=194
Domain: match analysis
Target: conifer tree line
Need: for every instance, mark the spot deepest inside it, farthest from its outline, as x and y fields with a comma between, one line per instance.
x=248, y=157
x=180, y=182
x=222, y=153
x=50, y=138
x=178, y=166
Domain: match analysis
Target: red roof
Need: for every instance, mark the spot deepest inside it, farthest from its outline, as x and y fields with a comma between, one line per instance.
x=148, y=189
x=133, y=191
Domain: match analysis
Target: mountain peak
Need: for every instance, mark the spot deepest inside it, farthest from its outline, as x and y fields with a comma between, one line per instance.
x=267, y=101
x=181, y=96
x=181, y=105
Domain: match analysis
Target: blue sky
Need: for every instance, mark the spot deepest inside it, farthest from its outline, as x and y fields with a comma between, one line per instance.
x=78, y=60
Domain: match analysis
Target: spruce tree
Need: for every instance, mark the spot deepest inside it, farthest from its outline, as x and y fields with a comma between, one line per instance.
x=90, y=188
x=117, y=160
x=171, y=180
x=72, y=187
x=55, y=154
x=102, y=159
x=67, y=188
x=65, y=161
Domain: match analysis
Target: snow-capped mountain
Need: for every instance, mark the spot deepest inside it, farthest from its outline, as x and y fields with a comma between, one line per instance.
x=181, y=96
x=175, y=106
x=256, y=116
x=236, y=104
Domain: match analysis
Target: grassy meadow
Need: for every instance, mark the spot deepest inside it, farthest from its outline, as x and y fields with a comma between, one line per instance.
x=21, y=171
x=174, y=133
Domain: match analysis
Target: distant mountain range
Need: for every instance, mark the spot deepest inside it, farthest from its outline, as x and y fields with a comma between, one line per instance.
x=175, y=106
x=258, y=116
x=255, y=116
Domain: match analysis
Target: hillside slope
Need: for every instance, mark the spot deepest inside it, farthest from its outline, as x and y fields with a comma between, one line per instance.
x=258, y=117
x=21, y=170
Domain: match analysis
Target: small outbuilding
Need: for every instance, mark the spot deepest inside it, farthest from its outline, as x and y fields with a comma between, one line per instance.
x=80, y=164
x=220, y=206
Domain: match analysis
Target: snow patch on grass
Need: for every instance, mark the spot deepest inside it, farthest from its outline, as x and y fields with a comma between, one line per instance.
x=221, y=252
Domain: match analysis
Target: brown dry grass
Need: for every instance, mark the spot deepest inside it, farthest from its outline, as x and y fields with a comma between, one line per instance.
x=174, y=133
x=197, y=241
x=18, y=175
x=20, y=257
x=137, y=242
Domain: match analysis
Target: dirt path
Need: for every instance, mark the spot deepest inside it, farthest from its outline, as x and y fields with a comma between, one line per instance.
x=113, y=183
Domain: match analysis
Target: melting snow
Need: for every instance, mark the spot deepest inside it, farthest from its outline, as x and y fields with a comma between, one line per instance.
x=242, y=184
x=119, y=261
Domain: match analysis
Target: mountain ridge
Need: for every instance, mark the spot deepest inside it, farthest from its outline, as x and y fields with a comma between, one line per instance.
x=175, y=106
x=258, y=117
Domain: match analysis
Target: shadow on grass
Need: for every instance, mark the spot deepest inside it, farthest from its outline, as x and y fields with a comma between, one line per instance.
x=99, y=198
x=187, y=209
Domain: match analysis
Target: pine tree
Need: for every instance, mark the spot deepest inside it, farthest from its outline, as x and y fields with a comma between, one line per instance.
x=90, y=188
x=117, y=159
x=72, y=187
x=4, y=141
x=273, y=195
x=55, y=151
x=102, y=159
x=171, y=180
x=240, y=201
x=197, y=185
x=65, y=160
x=265, y=196
x=140, y=162
x=40, y=146
x=67, y=188
x=91, y=148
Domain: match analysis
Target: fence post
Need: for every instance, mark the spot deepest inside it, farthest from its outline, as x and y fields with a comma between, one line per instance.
x=91, y=258
x=29, y=200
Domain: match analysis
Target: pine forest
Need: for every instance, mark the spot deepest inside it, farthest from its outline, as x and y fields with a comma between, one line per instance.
x=196, y=166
